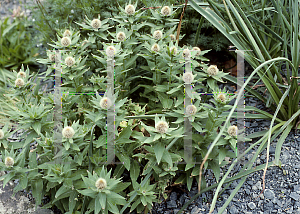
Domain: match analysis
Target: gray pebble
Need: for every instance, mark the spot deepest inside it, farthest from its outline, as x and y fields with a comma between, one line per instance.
x=251, y=205
x=295, y=196
x=269, y=194
x=171, y=204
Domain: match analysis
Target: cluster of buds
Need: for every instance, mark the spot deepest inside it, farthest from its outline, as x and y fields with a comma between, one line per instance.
x=9, y=161
x=157, y=34
x=121, y=36
x=188, y=77
x=232, y=131
x=67, y=33
x=96, y=23
x=186, y=53
x=191, y=110
x=212, y=70
x=222, y=97
x=110, y=51
x=129, y=9
x=155, y=48
x=1, y=134
x=65, y=41
x=17, y=12
x=198, y=50
x=166, y=11
x=105, y=103
x=70, y=61
x=173, y=50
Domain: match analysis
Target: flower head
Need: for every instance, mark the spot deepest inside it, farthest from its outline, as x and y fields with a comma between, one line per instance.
x=121, y=36
x=232, y=130
x=129, y=9
x=123, y=124
x=173, y=38
x=65, y=41
x=110, y=51
x=96, y=23
x=101, y=184
x=67, y=33
x=1, y=134
x=197, y=49
x=186, y=53
x=19, y=82
x=191, y=109
x=155, y=47
x=69, y=61
x=52, y=57
x=9, y=161
x=157, y=34
x=68, y=132
x=166, y=11
x=105, y=103
x=212, y=70
x=173, y=50
x=221, y=97
x=161, y=127
x=188, y=77
x=22, y=74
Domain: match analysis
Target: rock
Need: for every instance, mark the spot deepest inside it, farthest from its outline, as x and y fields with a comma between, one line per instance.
x=196, y=210
x=269, y=194
x=251, y=205
x=295, y=196
x=233, y=210
x=173, y=196
x=171, y=204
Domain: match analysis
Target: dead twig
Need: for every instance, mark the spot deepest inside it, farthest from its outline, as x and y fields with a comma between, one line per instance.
x=179, y=25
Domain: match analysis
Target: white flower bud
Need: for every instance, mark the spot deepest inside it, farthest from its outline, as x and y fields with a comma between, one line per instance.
x=9, y=161
x=110, y=51
x=65, y=41
x=105, y=103
x=173, y=38
x=121, y=36
x=186, y=53
x=19, y=82
x=212, y=70
x=68, y=132
x=129, y=9
x=157, y=34
x=166, y=11
x=69, y=61
x=188, y=77
x=96, y=23
x=173, y=50
x=67, y=33
x=161, y=127
x=222, y=97
x=232, y=130
x=101, y=184
x=198, y=50
x=191, y=110
x=155, y=48
x=22, y=74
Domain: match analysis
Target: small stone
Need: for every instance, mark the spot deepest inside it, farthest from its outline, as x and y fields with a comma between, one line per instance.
x=295, y=196
x=269, y=194
x=251, y=205
x=173, y=196
x=233, y=210
x=297, y=188
x=171, y=204
x=195, y=210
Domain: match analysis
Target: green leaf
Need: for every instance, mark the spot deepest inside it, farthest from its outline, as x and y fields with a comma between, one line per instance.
x=61, y=190
x=216, y=169
x=37, y=190
x=222, y=154
x=134, y=170
x=158, y=150
x=100, y=202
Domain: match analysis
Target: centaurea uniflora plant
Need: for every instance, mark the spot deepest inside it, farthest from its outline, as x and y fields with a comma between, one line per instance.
x=110, y=51
x=70, y=61
x=101, y=184
x=67, y=33
x=1, y=134
x=105, y=103
x=232, y=131
x=68, y=132
x=212, y=70
x=19, y=82
x=155, y=48
x=166, y=11
x=9, y=161
x=157, y=34
x=65, y=41
x=162, y=127
x=96, y=23
x=188, y=77
x=129, y=9
x=121, y=36
x=22, y=74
